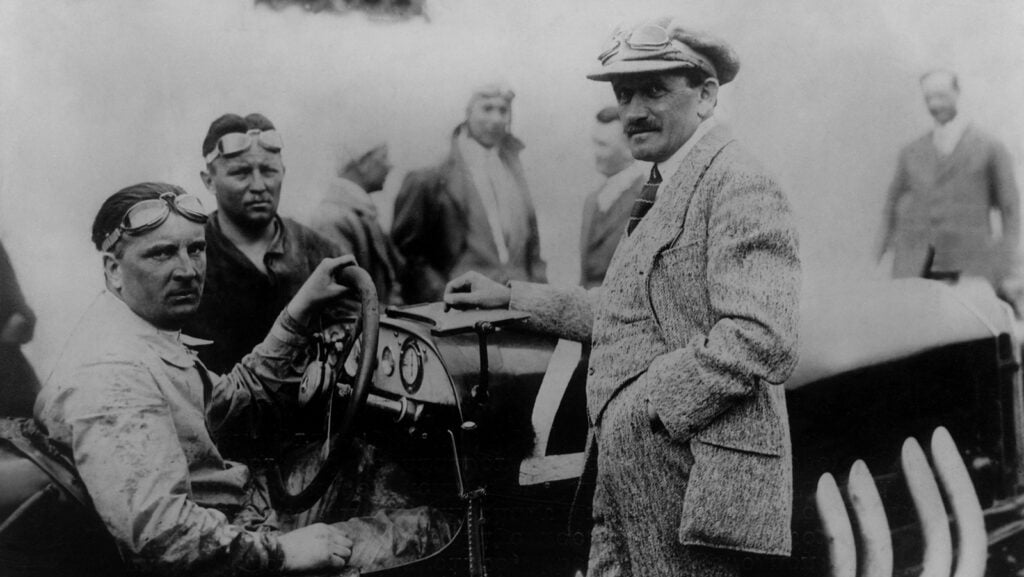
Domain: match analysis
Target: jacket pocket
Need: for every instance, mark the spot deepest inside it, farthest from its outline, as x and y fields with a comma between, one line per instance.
x=737, y=499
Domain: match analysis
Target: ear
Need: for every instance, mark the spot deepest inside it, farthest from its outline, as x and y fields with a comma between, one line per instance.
x=708, y=98
x=112, y=271
x=207, y=180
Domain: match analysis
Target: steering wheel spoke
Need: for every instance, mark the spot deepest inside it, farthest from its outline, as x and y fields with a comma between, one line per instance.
x=360, y=345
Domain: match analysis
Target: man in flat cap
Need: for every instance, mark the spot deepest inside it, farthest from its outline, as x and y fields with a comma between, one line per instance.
x=474, y=211
x=693, y=331
x=948, y=183
x=256, y=259
x=347, y=216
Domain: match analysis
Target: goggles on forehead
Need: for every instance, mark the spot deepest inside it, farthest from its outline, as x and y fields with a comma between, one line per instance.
x=656, y=41
x=149, y=214
x=236, y=142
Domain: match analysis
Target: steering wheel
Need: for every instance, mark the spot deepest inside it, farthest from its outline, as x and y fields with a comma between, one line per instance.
x=367, y=330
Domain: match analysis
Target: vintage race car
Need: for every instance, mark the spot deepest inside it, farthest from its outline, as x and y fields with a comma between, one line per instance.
x=491, y=423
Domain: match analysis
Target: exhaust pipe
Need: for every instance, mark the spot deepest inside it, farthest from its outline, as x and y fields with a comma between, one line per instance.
x=842, y=553
x=872, y=523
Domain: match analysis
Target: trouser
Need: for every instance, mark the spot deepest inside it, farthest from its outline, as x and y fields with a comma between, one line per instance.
x=638, y=499
x=377, y=514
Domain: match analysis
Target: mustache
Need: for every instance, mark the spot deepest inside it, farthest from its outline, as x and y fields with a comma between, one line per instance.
x=640, y=125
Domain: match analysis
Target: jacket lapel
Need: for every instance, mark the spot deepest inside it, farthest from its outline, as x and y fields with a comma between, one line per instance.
x=669, y=212
x=961, y=154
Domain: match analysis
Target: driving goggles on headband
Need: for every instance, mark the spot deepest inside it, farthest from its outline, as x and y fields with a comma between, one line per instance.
x=653, y=42
x=236, y=142
x=149, y=214
x=649, y=37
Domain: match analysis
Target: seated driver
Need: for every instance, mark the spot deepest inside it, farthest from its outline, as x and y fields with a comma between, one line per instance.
x=140, y=414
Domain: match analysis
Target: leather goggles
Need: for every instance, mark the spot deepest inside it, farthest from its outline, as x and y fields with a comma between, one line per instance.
x=148, y=214
x=236, y=142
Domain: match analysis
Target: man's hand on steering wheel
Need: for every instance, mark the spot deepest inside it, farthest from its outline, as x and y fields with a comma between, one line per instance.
x=319, y=289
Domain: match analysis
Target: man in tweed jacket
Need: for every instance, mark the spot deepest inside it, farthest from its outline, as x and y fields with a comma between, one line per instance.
x=693, y=332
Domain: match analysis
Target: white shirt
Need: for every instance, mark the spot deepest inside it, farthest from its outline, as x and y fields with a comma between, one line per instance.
x=619, y=183
x=669, y=167
x=493, y=182
x=946, y=136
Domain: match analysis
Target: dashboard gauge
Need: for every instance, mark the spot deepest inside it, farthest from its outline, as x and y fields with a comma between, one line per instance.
x=411, y=366
x=387, y=362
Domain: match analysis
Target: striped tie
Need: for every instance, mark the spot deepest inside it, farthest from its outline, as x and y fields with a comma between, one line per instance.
x=645, y=201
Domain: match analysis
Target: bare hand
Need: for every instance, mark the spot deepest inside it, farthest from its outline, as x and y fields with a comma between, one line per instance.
x=17, y=330
x=319, y=289
x=318, y=546
x=474, y=290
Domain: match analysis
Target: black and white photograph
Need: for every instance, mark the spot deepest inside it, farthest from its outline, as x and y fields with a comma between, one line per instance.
x=471, y=288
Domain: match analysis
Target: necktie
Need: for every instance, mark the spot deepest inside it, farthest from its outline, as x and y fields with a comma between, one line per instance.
x=645, y=201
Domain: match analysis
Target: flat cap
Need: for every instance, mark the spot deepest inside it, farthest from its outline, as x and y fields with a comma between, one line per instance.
x=661, y=45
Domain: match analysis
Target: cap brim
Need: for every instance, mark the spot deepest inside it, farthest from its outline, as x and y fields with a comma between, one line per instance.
x=627, y=67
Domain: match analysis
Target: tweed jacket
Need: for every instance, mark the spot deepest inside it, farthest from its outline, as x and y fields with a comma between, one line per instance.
x=602, y=231
x=717, y=259
x=434, y=211
x=945, y=203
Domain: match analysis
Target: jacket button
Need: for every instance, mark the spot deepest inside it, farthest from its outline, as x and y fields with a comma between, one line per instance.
x=590, y=371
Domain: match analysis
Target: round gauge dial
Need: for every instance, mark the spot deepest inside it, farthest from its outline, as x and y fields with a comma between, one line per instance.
x=387, y=362
x=411, y=366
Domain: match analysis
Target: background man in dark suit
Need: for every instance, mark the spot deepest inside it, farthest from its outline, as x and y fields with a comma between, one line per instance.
x=257, y=260
x=948, y=185
x=607, y=208
x=474, y=211
x=693, y=331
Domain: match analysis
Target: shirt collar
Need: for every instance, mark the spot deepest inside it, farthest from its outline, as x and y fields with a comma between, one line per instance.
x=946, y=136
x=168, y=345
x=474, y=152
x=669, y=167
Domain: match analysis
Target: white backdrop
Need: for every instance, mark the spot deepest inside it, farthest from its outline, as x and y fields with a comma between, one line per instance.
x=96, y=95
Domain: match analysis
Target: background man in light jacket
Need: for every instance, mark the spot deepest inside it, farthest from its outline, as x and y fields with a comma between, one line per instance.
x=693, y=331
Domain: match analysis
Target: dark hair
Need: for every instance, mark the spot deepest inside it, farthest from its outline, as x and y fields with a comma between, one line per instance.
x=608, y=114
x=114, y=208
x=955, y=80
x=229, y=123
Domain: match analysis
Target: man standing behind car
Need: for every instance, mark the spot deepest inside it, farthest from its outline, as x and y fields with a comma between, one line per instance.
x=606, y=209
x=474, y=211
x=348, y=217
x=937, y=220
x=693, y=332
x=256, y=258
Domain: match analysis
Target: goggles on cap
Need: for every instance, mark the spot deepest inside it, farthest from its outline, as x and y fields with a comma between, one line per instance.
x=151, y=213
x=657, y=41
x=236, y=142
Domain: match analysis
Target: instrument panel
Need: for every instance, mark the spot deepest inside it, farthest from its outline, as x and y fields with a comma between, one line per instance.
x=408, y=366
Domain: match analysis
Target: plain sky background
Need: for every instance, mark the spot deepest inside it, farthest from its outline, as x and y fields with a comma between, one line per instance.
x=96, y=95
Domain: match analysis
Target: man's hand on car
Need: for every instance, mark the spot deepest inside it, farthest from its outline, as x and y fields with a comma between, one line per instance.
x=474, y=290
x=317, y=546
x=319, y=289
